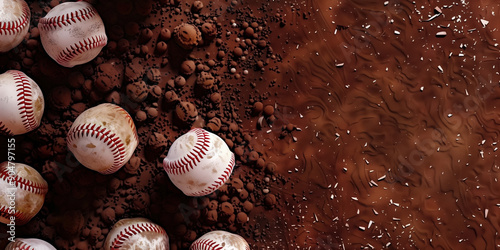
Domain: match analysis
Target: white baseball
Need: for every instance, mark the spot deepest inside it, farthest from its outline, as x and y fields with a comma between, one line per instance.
x=220, y=240
x=199, y=162
x=103, y=138
x=14, y=23
x=22, y=103
x=72, y=33
x=136, y=234
x=30, y=244
x=22, y=192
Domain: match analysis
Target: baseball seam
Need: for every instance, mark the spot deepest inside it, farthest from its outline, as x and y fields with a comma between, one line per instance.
x=68, y=53
x=110, y=139
x=132, y=230
x=21, y=217
x=220, y=181
x=4, y=129
x=25, y=184
x=186, y=163
x=67, y=19
x=129, y=120
x=205, y=244
x=22, y=246
x=25, y=100
x=16, y=26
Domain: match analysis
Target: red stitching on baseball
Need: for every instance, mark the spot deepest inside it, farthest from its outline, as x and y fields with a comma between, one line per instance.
x=186, y=163
x=13, y=27
x=205, y=244
x=81, y=47
x=67, y=19
x=110, y=139
x=129, y=120
x=4, y=130
x=217, y=183
x=25, y=184
x=20, y=245
x=25, y=100
x=21, y=217
x=132, y=230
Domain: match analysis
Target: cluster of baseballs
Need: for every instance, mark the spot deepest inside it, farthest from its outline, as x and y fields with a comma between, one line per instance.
x=102, y=138
x=141, y=233
x=72, y=33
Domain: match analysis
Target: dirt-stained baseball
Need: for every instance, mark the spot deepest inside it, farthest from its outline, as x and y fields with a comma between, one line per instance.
x=22, y=193
x=22, y=103
x=72, y=33
x=29, y=244
x=220, y=240
x=136, y=233
x=14, y=23
x=103, y=138
x=199, y=162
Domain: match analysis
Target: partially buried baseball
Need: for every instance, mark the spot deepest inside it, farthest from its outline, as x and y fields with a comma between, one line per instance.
x=220, y=240
x=21, y=102
x=103, y=138
x=72, y=33
x=22, y=193
x=14, y=23
x=136, y=233
x=199, y=162
x=29, y=244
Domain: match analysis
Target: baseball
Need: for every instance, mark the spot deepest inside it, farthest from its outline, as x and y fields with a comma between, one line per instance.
x=35, y=244
x=136, y=233
x=22, y=193
x=220, y=240
x=199, y=162
x=72, y=33
x=103, y=138
x=14, y=23
x=22, y=103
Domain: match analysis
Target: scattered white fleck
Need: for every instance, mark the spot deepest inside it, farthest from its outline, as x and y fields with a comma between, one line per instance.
x=486, y=213
x=441, y=34
x=397, y=32
x=440, y=68
x=484, y=22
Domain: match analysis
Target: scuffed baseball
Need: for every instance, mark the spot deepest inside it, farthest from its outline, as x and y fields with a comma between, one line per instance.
x=35, y=244
x=14, y=23
x=22, y=103
x=136, y=233
x=72, y=33
x=24, y=184
x=103, y=138
x=220, y=240
x=199, y=162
